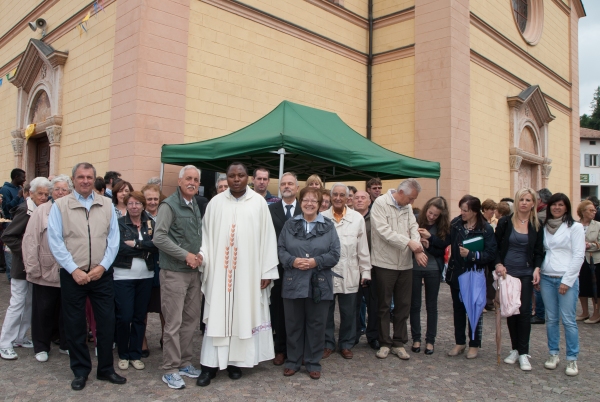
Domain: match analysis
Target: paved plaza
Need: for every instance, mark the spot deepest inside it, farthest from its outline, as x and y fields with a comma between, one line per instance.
x=365, y=378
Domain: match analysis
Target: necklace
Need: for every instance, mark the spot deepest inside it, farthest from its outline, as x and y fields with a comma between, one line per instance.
x=522, y=222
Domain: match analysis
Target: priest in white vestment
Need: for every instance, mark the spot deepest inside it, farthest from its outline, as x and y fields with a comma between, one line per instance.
x=239, y=250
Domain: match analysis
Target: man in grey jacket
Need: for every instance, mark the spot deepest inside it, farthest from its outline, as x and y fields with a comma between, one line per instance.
x=178, y=237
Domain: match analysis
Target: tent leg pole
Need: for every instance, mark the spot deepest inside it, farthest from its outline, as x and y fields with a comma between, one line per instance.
x=437, y=187
x=281, y=152
x=162, y=173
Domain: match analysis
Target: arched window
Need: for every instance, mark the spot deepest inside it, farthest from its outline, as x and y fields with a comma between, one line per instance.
x=521, y=8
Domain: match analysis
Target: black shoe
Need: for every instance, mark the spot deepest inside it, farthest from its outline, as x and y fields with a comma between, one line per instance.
x=429, y=351
x=145, y=353
x=204, y=378
x=78, y=383
x=416, y=349
x=537, y=320
x=113, y=378
x=235, y=373
x=374, y=344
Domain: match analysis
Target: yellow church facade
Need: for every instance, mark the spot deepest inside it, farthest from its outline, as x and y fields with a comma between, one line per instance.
x=487, y=88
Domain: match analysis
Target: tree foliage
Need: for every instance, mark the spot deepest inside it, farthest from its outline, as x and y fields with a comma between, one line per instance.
x=592, y=121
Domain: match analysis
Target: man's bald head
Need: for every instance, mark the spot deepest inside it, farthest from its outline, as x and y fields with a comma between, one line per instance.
x=362, y=200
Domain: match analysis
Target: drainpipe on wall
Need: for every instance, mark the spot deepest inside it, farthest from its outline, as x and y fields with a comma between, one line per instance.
x=370, y=70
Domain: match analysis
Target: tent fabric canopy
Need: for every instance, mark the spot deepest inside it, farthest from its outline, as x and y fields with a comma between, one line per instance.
x=315, y=142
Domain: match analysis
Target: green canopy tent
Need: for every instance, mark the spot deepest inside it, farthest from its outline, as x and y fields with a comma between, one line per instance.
x=309, y=141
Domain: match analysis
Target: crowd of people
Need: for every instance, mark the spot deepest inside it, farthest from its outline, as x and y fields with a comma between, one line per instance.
x=89, y=257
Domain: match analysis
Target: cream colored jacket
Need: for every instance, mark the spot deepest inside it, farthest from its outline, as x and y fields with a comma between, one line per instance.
x=40, y=266
x=354, y=251
x=391, y=230
x=592, y=235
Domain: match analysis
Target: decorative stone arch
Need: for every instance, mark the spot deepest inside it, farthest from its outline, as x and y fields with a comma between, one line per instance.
x=529, y=120
x=39, y=79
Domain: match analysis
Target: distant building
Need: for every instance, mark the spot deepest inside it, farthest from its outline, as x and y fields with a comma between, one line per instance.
x=589, y=171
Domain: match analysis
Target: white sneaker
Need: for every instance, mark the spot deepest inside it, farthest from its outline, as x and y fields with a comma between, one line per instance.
x=123, y=364
x=63, y=351
x=23, y=344
x=41, y=357
x=572, y=368
x=173, y=381
x=512, y=357
x=552, y=362
x=383, y=352
x=524, y=362
x=190, y=371
x=8, y=354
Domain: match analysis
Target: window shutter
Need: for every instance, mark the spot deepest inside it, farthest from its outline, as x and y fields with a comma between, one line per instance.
x=587, y=160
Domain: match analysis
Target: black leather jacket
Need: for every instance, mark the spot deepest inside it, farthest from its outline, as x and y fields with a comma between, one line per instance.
x=144, y=249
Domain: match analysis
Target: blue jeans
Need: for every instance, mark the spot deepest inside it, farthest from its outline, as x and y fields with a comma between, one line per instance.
x=8, y=261
x=564, y=306
x=540, y=312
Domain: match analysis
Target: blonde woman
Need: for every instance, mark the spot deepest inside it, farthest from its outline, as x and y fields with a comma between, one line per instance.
x=520, y=238
x=587, y=212
x=315, y=181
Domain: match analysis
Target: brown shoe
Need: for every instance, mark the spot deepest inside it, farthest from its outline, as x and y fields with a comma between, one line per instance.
x=327, y=352
x=315, y=375
x=288, y=372
x=346, y=353
x=279, y=359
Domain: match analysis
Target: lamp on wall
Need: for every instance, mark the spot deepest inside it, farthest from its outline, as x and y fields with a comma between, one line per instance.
x=39, y=23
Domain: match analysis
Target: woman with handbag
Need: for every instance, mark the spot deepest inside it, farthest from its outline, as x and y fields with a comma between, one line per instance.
x=434, y=228
x=469, y=225
x=564, y=243
x=308, y=248
x=589, y=273
x=520, y=238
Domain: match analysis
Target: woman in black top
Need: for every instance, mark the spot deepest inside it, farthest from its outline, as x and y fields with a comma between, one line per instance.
x=434, y=228
x=470, y=224
x=520, y=239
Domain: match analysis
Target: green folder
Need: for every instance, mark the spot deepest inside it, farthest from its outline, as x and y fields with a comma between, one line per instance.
x=474, y=244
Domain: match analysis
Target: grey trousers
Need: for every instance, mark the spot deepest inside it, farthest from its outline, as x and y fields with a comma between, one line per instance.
x=347, y=332
x=305, y=328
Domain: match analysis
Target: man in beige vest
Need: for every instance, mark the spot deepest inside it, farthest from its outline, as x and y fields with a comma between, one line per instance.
x=83, y=236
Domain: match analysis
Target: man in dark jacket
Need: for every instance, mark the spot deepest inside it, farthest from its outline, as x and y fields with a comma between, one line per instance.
x=281, y=211
x=12, y=195
x=18, y=315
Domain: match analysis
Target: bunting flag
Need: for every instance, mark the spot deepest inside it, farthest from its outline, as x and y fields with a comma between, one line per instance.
x=0, y=82
x=82, y=26
x=98, y=7
x=11, y=74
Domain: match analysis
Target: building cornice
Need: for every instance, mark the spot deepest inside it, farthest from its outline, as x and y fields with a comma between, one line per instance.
x=394, y=54
x=513, y=79
x=578, y=6
x=515, y=49
x=271, y=21
x=394, y=18
x=566, y=9
x=341, y=12
x=34, y=14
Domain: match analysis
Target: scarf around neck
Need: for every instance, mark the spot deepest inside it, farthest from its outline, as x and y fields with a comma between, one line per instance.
x=553, y=224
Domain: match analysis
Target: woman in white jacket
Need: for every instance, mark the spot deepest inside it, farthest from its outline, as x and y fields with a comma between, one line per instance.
x=564, y=243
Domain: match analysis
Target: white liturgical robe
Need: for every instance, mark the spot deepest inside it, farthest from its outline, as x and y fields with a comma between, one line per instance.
x=239, y=248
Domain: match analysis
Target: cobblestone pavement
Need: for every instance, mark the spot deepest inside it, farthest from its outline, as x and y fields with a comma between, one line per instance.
x=426, y=378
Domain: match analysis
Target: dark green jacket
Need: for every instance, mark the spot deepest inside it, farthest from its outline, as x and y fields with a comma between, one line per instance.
x=178, y=232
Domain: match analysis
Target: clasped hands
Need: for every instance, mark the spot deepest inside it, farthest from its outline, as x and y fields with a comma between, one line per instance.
x=417, y=248
x=82, y=278
x=304, y=263
x=193, y=260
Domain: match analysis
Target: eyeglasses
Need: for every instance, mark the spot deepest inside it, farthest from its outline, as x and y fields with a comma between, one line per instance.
x=134, y=204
